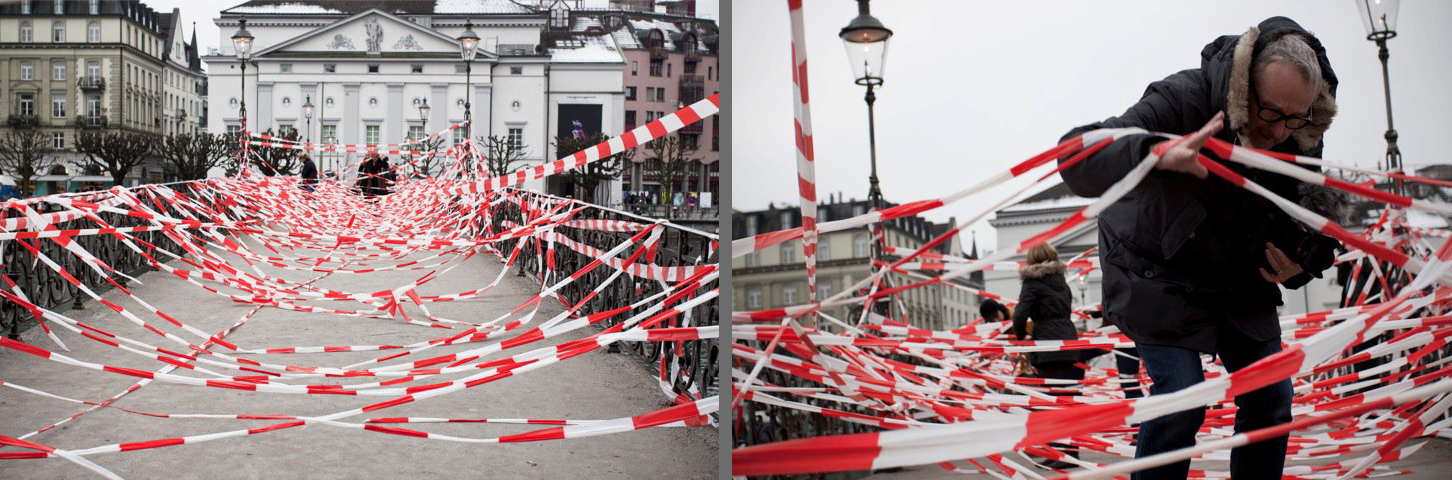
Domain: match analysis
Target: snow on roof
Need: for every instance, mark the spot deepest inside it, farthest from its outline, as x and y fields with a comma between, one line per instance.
x=584, y=23
x=284, y=8
x=586, y=49
x=479, y=6
x=641, y=24
x=1421, y=219
x=625, y=39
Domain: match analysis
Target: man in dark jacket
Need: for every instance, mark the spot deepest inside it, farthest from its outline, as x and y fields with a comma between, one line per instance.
x=309, y=173
x=1191, y=264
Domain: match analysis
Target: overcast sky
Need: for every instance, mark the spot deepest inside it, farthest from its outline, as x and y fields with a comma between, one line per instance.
x=973, y=87
x=204, y=11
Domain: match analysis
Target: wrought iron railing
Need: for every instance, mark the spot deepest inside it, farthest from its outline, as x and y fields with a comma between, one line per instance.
x=679, y=246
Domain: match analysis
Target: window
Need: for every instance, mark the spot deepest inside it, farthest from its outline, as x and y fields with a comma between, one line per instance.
x=634, y=67
x=824, y=290
x=330, y=133
x=655, y=66
x=751, y=225
x=788, y=252
x=58, y=32
x=330, y=67
x=27, y=104
x=649, y=116
x=824, y=250
x=668, y=69
x=25, y=7
x=660, y=94
x=516, y=70
x=373, y=68
x=516, y=138
x=416, y=132
x=460, y=135
x=58, y=70
x=372, y=135
x=715, y=134
x=93, y=32
x=60, y=7
x=58, y=105
x=709, y=71
x=789, y=295
x=58, y=140
x=460, y=68
x=284, y=68
x=95, y=7
x=25, y=32
x=630, y=119
x=415, y=68
x=27, y=71
x=630, y=93
x=649, y=94
x=860, y=246
x=93, y=106
x=559, y=18
x=753, y=297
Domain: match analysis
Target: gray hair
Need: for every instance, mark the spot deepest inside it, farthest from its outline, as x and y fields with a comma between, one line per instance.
x=1293, y=50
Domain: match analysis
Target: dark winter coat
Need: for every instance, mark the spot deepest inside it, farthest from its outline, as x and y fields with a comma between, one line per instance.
x=309, y=172
x=1181, y=255
x=1045, y=298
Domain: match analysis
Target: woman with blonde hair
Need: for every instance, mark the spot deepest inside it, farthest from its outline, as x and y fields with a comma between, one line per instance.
x=1045, y=298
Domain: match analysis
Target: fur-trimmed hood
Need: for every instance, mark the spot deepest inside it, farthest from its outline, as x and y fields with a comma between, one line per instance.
x=1227, y=62
x=1041, y=270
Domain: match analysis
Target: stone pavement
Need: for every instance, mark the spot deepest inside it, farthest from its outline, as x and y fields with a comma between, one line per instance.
x=594, y=386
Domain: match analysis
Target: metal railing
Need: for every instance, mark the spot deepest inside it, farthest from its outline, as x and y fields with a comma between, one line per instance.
x=679, y=246
x=47, y=288
x=90, y=82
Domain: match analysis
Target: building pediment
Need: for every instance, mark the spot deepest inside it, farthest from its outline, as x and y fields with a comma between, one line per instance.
x=372, y=32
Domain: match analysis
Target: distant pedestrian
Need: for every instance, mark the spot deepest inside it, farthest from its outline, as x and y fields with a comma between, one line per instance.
x=309, y=173
x=1045, y=297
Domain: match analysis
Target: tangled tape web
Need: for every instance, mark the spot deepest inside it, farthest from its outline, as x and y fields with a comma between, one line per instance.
x=206, y=232
x=946, y=396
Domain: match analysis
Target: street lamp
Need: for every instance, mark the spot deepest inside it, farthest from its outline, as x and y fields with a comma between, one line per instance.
x=1379, y=17
x=468, y=46
x=242, y=43
x=308, y=114
x=866, y=40
x=423, y=114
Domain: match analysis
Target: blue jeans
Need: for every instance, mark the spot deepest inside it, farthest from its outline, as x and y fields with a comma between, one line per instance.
x=1174, y=368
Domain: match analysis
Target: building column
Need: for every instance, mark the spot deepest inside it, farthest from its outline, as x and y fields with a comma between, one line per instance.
x=350, y=126
x=264, y=108
x=395, y=124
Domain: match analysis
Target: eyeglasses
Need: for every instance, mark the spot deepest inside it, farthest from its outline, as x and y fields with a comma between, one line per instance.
x=1272, y=115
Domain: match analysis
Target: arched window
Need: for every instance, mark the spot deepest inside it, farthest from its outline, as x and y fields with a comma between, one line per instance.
x=93, y=32
x=58, y=32
x=25, y=32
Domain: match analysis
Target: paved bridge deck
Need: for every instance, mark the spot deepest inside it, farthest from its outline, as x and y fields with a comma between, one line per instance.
x=595, y=386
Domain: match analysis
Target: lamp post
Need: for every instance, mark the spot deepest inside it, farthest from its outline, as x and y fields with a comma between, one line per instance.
x=468, y=46
x=866, y=40
x=308, y=114
x=1379, y=17
x=242, y=43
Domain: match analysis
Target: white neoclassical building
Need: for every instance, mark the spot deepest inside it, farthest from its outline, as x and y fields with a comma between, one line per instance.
x=367, y=70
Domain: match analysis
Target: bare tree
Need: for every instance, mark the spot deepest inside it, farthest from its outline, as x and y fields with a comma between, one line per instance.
x=277, y=160
x=116, y=153
x=190, y=157
x=24, y=154
x=673, y=154
x=424, y=164
x=232, y=162
x=589, y=177
x=501, y=156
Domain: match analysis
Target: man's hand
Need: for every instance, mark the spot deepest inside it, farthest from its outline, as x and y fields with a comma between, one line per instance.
x=1179, y=154
x=1284, y=267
